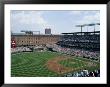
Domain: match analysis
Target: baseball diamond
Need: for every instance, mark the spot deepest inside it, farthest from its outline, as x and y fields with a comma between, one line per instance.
x=48, y=64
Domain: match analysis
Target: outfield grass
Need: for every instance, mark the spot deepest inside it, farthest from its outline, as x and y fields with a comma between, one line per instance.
x=74, y=63
x=80, y=63
x=32, y=64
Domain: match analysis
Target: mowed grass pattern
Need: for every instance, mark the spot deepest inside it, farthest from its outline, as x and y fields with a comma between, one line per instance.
x=81, y=63
x=74, y=63
x=32, y=64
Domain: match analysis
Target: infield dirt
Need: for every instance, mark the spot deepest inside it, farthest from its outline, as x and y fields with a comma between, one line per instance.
x=54, y=65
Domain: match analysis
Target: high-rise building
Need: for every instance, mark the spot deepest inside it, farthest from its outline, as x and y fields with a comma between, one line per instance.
x=47, y=31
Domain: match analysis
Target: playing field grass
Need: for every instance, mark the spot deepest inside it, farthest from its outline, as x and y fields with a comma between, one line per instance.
x=33, y=64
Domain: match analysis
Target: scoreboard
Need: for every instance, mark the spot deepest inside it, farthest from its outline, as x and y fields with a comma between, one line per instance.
x=13, y=43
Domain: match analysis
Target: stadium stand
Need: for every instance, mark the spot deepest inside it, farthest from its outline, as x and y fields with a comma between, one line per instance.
x=86, y=45
x=81, y=40
x=21, y=49
x=84, y=73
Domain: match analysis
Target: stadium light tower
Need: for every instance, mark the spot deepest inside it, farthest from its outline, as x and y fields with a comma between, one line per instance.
x=93, y=24
x=97, y=23
x=81, y=27
x=29, y=32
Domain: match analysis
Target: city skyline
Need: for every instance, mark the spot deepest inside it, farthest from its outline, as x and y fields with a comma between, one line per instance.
x=58, y=21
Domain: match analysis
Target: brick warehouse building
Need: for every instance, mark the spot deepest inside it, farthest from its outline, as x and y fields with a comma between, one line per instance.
x=27, y=40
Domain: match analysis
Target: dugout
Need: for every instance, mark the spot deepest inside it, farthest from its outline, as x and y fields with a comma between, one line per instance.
x=51, y=49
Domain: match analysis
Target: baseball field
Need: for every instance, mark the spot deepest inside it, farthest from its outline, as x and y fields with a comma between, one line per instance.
x=48, y=64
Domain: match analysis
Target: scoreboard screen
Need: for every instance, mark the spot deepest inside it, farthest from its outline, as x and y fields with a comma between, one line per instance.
x=13, y=43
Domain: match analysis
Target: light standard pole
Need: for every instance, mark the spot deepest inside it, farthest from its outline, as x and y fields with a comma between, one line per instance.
x=94, y=29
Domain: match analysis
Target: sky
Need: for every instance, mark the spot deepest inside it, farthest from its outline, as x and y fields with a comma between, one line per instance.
x=58, y=21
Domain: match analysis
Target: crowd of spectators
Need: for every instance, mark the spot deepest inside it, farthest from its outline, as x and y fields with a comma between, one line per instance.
x=27, y=49
x=78, y=52
x=88, y=41
x=20, y=49
x=84, y=73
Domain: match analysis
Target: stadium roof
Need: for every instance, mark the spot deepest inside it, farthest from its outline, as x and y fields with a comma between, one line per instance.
x=82, y=32
x=23, y=34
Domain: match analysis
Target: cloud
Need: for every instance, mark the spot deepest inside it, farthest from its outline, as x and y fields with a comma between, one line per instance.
x=35, y=21
x=83, y=12
x=28, y=20
x=89, y=18
x=85, y=17
x=82, y=17
x=75, y=12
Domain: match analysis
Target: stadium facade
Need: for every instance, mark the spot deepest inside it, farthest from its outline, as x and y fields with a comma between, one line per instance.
x=34, y=40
